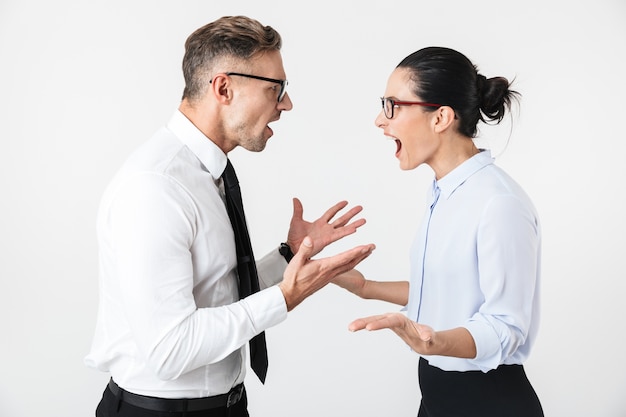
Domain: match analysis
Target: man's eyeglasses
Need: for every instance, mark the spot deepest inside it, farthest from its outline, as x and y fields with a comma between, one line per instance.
x=283, y=83
x=389, y=104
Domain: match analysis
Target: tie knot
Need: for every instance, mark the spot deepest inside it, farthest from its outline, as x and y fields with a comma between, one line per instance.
x=229, y=176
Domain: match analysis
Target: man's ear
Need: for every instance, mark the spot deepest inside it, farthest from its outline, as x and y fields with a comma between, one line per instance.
x=444, y=117
x=221, y=88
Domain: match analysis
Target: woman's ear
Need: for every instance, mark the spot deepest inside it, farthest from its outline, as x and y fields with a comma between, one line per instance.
x=444, y=117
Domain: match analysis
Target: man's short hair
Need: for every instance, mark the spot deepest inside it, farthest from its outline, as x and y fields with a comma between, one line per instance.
x=229, y=37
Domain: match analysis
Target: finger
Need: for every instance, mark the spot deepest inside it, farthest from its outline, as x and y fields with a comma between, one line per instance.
x=387, y=321
x=356, y=325
x=344, y=231
x=345, y=218
x=344, y=262
x=350, y=228
x=331, y=212
x=355, y=261
x=348, y=258
x=298, y=210
x=360, y=324
x=340, y=263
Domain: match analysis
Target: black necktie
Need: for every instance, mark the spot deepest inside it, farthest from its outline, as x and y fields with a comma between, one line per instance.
x=246, y=267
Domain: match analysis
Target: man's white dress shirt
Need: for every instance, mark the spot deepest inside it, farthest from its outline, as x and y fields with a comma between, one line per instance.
x=170, y=323
x=475, y=263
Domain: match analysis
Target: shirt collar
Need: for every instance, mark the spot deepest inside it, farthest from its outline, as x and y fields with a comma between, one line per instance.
x=209, y=154
x=453, y=180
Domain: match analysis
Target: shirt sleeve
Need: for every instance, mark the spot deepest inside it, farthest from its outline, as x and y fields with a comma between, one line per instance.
x=271, y=268
x=153, y=226
x=507, y=247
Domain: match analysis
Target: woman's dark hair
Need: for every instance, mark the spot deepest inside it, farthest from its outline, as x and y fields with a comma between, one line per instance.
x=447, y=77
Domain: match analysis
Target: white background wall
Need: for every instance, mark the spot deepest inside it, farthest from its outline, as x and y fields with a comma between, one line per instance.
x=82, y=83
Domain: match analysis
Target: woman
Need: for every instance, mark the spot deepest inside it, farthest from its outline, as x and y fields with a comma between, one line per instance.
x=473, y=299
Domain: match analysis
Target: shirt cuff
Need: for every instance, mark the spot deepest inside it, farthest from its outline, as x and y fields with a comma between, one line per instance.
x=268, y=308
x=488, y=347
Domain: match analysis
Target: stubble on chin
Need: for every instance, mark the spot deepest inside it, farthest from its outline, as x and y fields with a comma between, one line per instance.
x=254, y=144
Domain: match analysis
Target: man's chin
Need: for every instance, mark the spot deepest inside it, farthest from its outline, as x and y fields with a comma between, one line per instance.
x=254, y=146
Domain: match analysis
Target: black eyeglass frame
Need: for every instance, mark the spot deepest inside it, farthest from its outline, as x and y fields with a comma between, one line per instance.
x=396, y=103
x=283, y=83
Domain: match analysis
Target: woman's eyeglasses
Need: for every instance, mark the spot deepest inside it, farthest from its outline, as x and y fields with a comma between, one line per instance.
x=389, y=104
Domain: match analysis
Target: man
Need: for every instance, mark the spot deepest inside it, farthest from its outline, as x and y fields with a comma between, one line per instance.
x=171, y=327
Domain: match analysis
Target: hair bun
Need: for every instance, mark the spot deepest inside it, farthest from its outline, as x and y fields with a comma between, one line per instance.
x=495, y=97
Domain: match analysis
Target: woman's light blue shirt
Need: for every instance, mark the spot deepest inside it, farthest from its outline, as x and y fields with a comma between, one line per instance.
x=475, y=263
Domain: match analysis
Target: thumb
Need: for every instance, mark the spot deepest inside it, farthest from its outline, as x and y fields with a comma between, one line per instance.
x=298, y=210
x=305, y=252
x=425, y=332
